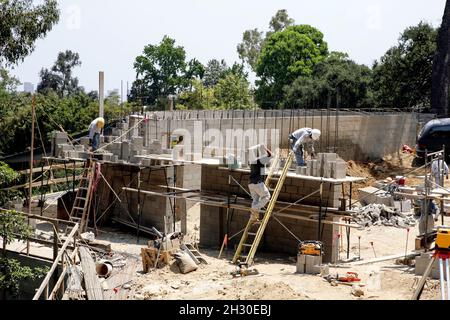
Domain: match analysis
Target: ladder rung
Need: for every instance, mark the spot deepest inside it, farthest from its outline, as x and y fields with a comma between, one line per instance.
x=82, y=188
x=81, y=198
x=251, y=234
x=247, y=245
x=78, y=208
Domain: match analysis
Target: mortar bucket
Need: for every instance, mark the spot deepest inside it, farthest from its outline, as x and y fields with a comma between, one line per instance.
x=104, y=268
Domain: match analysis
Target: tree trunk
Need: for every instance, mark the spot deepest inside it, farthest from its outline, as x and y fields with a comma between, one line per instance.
x=440, y=75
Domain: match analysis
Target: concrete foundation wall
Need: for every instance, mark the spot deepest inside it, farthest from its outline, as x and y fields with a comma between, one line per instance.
x=276, y=238
x=355, y=137
x=156, y=210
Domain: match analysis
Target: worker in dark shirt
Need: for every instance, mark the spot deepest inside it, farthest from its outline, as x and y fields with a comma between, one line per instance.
x=258, y=190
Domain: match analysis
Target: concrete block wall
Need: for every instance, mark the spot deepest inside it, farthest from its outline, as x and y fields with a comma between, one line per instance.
x=216, y=180
x=156, y=210
x=277, y=239
x=357, y=136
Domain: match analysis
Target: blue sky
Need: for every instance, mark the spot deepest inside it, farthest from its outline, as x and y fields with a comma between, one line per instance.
x=108, y=35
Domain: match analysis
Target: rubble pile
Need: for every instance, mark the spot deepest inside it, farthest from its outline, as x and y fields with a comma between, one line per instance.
x=380, y=214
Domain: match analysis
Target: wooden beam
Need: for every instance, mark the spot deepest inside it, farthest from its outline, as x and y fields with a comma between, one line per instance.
x=92, y=285
x=38, y=183
x=45, y=283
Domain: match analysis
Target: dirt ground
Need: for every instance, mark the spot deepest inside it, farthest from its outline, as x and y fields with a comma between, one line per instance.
x=277, y=278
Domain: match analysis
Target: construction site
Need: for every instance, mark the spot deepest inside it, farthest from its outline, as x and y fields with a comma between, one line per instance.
x=161, y=210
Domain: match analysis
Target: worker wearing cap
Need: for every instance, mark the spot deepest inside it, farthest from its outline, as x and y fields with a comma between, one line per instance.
x=299, y=138
x=438, y=169
x=258, y=190
x=95, y=130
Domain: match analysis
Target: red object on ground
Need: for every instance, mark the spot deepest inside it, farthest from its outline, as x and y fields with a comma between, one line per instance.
x=351, y=277
x=407, y=149
x=402, y=181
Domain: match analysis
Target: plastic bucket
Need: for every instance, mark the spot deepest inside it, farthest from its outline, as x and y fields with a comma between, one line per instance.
x=103, y=268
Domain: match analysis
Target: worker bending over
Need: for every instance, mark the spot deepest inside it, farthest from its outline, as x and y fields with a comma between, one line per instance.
x=95, y=130
x=259, y=156
x=439, y=169
x=297, y=140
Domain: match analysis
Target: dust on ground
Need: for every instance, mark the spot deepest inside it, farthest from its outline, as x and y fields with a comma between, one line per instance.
x=277, y=278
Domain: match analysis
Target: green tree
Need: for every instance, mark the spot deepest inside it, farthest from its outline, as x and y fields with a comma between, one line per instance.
x=7, y=177
x=199, y=97
x=232, y=92
x=252, y=40
x=13, y=226
x=161, y=71
x=402, y=77
x=214, y=71
x=280, y=21
x=336, y=82
x=250, y=47
x=21, y=24
x=285, y=56
x=60, y=78
x=7, y=82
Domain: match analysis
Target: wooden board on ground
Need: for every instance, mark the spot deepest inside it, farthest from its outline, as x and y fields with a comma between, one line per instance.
x=114, y=284
x=91, y=280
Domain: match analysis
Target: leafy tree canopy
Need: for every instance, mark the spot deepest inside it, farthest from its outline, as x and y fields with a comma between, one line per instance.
x=60, y=78
x=252, y=40
x=285, y=56
x=402, y=77
x=161, y=71
x=335, y=82
x=21, y=24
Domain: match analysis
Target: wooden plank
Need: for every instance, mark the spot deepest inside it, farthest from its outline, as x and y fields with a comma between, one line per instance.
x=38, y=183
x=385, y=258
x=91, y=280
x=44, y=283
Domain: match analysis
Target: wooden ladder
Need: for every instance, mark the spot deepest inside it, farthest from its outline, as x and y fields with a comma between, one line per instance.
x=261, y=225
x=82, y=203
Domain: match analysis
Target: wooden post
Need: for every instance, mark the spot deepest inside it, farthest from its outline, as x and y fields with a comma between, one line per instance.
x=101, y=93
x=30, y=189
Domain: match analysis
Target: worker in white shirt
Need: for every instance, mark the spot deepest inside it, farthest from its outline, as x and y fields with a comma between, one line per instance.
x=297, y=140
x=439, y=169
x=95, y=130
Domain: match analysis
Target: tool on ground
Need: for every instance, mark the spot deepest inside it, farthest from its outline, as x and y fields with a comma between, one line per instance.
x=442, y=254
x=253, y=245
x=359, y=247
x=311, y=248
x=373, y=248
x=242, y=271
x=349, y=277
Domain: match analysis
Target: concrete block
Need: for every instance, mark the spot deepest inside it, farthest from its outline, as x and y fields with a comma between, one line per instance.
x=338, y=169
x=301, y=263
x=137, y=144
x=370, y=195
x=60, y=136
x=79, y=148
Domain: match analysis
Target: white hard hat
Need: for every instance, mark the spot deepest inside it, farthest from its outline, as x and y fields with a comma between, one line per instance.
x=315, y=134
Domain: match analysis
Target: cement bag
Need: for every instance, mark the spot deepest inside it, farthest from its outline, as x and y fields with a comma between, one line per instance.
x=185, y=262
